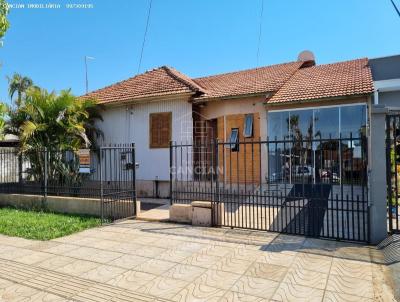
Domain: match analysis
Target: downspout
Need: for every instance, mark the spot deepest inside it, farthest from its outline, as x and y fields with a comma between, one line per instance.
x=376, y=97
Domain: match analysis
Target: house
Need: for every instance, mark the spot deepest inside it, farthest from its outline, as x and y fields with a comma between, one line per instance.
x=150, y=109
x=322, y=98
x=386, y=76
x=272, y=102
x=324, y=102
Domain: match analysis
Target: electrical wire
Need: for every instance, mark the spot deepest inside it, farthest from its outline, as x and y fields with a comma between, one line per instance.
x=144, y=36
x=395, y=7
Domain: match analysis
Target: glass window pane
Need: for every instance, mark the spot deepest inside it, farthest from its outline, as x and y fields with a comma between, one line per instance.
x=301, y=124
x=248, y=126
x=278, y=125
x=326, y=123
x=234, y=138
x=278, y=129
x=353, y=120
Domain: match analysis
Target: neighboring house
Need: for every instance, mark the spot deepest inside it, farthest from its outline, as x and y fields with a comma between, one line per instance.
x=386, y=76
x=385, y=132
x=160, y=105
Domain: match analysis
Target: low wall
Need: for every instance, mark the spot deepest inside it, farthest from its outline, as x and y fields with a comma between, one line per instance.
x=152, y=188
x=197, y=213
x=57, y=204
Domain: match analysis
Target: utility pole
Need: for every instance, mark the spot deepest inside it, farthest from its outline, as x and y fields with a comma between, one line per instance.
x=86, y=72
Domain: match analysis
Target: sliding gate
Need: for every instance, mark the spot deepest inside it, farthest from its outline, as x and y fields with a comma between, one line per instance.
x=316, y=188
x=117, y=182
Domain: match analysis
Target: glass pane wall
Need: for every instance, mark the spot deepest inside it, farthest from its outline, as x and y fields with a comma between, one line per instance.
x=316, y=145
x=278, y=155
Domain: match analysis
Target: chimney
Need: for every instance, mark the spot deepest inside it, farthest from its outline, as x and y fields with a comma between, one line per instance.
x=307, y=57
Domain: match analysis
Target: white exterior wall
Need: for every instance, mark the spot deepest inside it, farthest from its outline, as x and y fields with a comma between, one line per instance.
x=130, y=124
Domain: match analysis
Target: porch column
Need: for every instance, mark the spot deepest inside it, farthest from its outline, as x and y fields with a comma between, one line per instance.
x=377, y=174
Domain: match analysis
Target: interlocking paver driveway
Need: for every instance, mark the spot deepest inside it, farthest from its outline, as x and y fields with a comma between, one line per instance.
x=147, y=261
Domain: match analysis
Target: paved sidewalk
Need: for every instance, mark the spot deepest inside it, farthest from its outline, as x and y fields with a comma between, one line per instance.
x=148, y=261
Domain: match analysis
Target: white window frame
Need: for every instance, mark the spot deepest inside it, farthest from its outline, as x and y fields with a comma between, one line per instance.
x=250, y=115
x=234, y=146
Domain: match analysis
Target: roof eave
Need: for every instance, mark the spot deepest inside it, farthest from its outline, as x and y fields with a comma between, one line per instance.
x=333, y=98
x=148, y=99
x=230, y=97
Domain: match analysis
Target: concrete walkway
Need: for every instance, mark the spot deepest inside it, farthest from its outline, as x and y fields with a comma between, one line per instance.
x=149, y=261
x=160, y=213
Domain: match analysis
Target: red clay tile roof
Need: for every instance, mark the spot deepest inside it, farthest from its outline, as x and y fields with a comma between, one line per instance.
x=251, y=81
x=157, y=82
x=290, y=82
x=325, y=81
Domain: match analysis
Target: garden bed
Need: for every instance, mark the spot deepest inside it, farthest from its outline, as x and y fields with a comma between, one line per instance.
x=42, y=225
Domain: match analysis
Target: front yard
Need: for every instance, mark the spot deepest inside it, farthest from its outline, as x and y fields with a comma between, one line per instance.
x=42, y=225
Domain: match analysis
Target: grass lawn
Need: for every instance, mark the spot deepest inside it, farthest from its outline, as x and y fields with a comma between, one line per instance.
x=42, y=225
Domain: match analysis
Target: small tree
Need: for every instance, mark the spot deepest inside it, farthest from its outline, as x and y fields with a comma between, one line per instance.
x=18, y=84
x=57, y=122
x=54, y=120
x=3, y=114
x=4, y=24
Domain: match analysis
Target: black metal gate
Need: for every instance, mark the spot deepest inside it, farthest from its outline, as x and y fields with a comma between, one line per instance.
x=310, y=187
x=393, y=171
x=117, y=178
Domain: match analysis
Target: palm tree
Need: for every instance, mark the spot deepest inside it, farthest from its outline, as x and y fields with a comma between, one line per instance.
x=54, y=120
x=57, y=122
x=3, y=113
x=18, y=84
x=3, y=18
x=92, y=131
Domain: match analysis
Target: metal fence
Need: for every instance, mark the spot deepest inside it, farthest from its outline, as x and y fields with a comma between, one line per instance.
x=108, y=175
x=308, y=187
x=393, y=171
x=48, y=172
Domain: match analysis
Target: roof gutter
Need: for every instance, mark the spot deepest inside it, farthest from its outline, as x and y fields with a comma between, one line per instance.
x=385, y=86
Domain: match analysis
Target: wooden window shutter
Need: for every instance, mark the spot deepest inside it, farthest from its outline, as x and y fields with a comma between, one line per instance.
x=160, y=129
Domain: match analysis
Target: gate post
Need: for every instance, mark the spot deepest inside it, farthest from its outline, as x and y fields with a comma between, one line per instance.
x=170, y=172
x=101, y=186
x=377, y=175
x=46, y=171
x=215, y=204
x=217, y=169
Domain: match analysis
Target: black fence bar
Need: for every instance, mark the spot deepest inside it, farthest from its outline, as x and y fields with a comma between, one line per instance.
x=313, y=187
x=109, y=175
x=393, y=170
x=48, y=172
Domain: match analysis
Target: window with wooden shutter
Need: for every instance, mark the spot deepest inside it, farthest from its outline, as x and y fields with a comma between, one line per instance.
x=160, y=129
